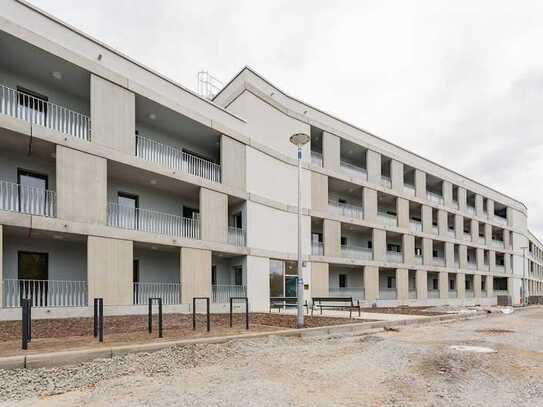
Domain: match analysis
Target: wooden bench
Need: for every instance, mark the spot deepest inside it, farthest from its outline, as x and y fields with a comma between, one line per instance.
x=339, y=303
x=285, y=302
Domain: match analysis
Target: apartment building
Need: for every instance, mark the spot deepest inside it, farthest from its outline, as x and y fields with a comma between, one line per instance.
x=116, y=182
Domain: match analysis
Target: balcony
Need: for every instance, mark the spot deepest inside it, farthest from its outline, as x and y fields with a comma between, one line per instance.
x=471, y=266
x=356, y=252
x=409, y=189
x=316, y=158
x=221, y=293
x=353, y=170
x=498, y=243
x=435, y=198
x=451, y=233
x=500, y=268
x=500, y=220
x=26, y=199
x=174, y=158
x=169, y=292
x=317, y=248
x=415, y=225
x=467, y=237
x=386, y=181
x=387, y=219
x=45, y=293
x=145, y=220
x=438, y=261
x=347, y=210
x=357, y=293
x=37, y=111
x=470, y=210
x=236, y=236
x=418, y=259
x=394, y=257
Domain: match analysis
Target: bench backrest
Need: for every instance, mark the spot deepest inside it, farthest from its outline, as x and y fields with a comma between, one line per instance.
x=341, y=300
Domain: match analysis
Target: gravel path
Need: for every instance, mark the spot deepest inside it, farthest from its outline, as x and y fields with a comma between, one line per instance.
x=413, y=367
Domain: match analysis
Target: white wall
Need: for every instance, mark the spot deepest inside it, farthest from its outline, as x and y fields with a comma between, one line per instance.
x=258, y=282
x=157, y=265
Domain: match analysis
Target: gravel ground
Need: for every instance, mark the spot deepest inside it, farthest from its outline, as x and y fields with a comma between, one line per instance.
x=413, y=367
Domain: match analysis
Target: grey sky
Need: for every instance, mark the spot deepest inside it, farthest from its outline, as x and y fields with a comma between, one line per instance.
x=460, y=82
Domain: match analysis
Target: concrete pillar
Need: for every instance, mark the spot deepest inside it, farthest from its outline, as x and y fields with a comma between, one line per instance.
x=463, y=256
x=462, y=199
x=506, y=241
x=492, y=261
x=332, y=238
x=371, y=283
x=408, y=248
x=480, y=258
x=459, y=226
x=477, y=286
x=507, y=261
x=510, y=216
x=427, y=219
x=257, y=271
x=479, y=205
x=370, y=204
x=449, y=254
x=379, y=244
x=420, y=184
x=474, y=230
x=113, y=114
x=81, y=186
x=489, y=285
x=330, y=151
x=396, y=174
x=233, y=163
x=213, y=215
x=488, y=234
x=510, y=287
x=422, y=285
x=443, y=285
x=195, y=274
x=320, y=280
x=402, y=209
x=319, y=192
x=442, y=225
x=110, y=270
x=490, y=209
x=447, y=194
x=461, y=285
x=373, y=162
x=427, y=251
x=402, y=285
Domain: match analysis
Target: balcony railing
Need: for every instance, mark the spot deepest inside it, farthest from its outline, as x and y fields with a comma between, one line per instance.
x=45, y=293
x=356, y=252
x=172, y=157
x=169, y=292
x=386, y=181
x=418, y=259
x=438, y=261
x=395, y=257
x=317, y=248
x=470, y=210
x=415, y=225
x=471, y=266
x=500, y=268
x=498, y=243
x=388, y=294
x=409, y=189
x=433, y=294
x=27, y=199
x=501, y=292
x=236, y=236
x=453, y=294
x=316, y=158
x=150, y=221
x=357, y=293
x=469, y=294
x=353, y=171
x=500, y=220
x=451, y=233
x=222, y=292
x=387, y=219
x=435, y=198
x=38, y=111
x=435, y=230
x=347, y=210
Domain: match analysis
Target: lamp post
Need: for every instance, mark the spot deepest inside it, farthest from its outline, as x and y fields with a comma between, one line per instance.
x=299, y=140
x=524, y=296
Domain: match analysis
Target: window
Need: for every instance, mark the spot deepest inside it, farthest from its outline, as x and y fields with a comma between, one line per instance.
x=190, y=213
x=128, y=214
x=342, y=201
x=33, y=266
x=370, y=244
x=483, y=284
x=418, y=251
x=391, y=282
x=213, y=275
x=316, y=237
x=393, y=248
x=342, y=280
x=32, y=195
x=451, y=284
x=468, y=284
x=238, y=275
x=237, y=220
x=435, y=284
x=343, y=240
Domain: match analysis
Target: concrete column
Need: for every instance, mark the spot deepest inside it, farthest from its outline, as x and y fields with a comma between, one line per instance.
x=320, y=280
x=427, y=251
x=477, y=286
x=427, y=219
x=402, y=285
x=408, y=248
x=461, y=199
x=492, y=261
x=81, y=186
x=422, y=285
x=510, y=216
x=332, y=238
x=379, y=245
x=510, y=287
x=371, y=283
x=420, y=184
x=330, y=151
x=396, y=174
x=447, y=193
x=488, y=234
x=257, y=271
x=195, y=274
x=480, y=258
x=113, y=114
x=442, y=222
x=370, y=204
x=110, y=270
x=507, y=261
x=489, y=285
x=319, y=192
x=461, y=285
x=443, y=285
x=402, y=209
x=213, y=215
x=459, y=226
x=506, y=241
x=233, y=163
x=373, y=162
x=479, y=205
x=449, y=254
x=474, y=230
x=463, y=256
x=490, y=209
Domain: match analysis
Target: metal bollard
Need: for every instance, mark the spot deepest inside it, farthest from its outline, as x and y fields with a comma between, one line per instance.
x=150, y=316
x=246, y=300
x=26, y=322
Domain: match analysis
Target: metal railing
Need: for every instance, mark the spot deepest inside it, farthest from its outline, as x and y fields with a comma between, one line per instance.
x=177, y=159
x=386, y=181
x=395, y=257
x=356, y=252
x=38, y=111
x=438, y=261
x=45, y=293
x=150, y=221
x=27, y=199
x=498, y=243
x=415, y=225
x=388, y=294
x=387, y=219
x=433, y=197
x=409, y=189
x=357, y=293
x=347, y=210
x=169, y=292
x=221, y=293
x=236, y=236
x=316, y=158
x=353, y=170
x=317, y=248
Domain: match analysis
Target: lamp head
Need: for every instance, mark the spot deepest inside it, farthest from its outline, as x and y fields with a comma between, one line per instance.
x=299, y=139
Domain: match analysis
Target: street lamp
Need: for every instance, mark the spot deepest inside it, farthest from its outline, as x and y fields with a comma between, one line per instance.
x=299, y=140
x=524, y=296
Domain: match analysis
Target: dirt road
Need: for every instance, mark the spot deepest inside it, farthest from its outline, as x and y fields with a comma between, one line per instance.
x=417, y=366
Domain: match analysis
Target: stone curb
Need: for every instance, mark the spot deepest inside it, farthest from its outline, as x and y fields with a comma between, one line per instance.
x=54, y=359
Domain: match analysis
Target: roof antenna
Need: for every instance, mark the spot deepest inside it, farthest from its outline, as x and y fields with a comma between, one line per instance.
x=208, y=85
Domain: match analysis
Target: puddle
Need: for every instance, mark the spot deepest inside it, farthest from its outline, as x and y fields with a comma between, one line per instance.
x=473, y=349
